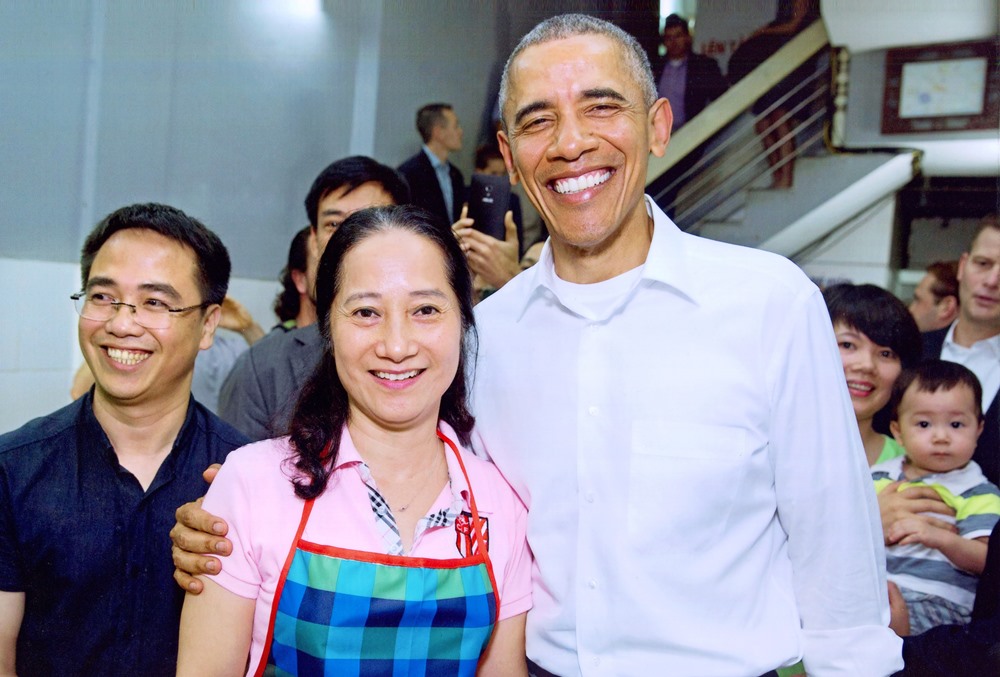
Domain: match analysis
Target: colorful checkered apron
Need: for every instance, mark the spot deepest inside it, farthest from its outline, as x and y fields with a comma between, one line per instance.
x=349, y=612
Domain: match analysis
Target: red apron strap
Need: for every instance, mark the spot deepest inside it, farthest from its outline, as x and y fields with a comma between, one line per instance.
x=306, y=510
x=477, y=527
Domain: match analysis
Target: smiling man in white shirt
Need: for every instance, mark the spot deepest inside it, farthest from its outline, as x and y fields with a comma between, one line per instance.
x=671, y=410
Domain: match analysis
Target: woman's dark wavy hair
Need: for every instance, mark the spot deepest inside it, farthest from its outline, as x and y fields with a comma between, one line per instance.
x=878, y=315
x=322, y=409
x=287, y=303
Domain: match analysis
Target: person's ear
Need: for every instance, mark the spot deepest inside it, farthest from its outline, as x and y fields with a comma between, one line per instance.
x=211, y=320
x=947, y=309
x=300, y=281
x=437, y=131
x=661, y=118
x=508, y=157
x=895, y=430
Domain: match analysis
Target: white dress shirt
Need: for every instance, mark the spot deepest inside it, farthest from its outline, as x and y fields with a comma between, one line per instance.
x=699, y=500
x=982, y=358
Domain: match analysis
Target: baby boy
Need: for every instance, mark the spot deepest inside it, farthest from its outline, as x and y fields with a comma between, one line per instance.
x=937, y=418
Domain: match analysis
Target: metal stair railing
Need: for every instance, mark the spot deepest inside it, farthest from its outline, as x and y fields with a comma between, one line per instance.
x=709, y=182
x=735, y=100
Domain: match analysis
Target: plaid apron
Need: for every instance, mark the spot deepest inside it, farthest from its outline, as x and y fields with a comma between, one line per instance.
x=349, y=612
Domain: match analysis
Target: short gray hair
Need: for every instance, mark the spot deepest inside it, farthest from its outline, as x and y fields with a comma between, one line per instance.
x=570, y=25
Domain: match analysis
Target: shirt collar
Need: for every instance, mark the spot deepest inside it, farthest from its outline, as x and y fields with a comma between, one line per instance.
x=307, y=335
x=435, y=160
x=666, y=262
x=993, y=342
x=949, y=336
x=93, y=436
x=192, y=421
x=348, y=456
x=956, y=481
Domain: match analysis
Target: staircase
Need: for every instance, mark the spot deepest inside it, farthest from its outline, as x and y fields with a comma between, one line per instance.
x=829, y=190
x=715, y=179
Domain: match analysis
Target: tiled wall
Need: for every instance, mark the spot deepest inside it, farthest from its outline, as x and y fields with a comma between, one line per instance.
x=38, y=346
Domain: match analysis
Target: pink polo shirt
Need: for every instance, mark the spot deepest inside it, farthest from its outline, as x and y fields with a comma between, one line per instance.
x=255, y=496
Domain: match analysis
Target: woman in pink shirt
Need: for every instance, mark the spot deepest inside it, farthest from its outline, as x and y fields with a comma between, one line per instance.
x=369, y=541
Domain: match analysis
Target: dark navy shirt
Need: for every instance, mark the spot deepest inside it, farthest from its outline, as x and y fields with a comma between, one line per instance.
x=90, y=549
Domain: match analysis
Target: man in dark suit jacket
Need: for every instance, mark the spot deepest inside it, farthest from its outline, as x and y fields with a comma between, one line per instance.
x=436, y=184
x=696, y=75
x=974, y=338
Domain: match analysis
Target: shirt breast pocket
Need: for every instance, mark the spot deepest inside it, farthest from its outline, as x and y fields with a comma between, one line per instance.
x=684, y=480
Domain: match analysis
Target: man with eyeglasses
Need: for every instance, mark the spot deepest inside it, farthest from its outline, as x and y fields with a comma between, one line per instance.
x=91, y=489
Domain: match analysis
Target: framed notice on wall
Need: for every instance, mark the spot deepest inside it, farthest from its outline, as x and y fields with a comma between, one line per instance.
x=941, y=88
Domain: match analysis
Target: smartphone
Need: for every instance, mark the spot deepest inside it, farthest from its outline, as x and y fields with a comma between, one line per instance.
x=489, y=197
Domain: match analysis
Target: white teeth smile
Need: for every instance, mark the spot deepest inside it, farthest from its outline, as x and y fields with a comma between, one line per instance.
x=578, y=183
x=126, y=357
x=397, y=377
x=858, y=386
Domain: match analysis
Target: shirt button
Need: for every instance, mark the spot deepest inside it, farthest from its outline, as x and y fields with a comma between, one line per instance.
x=593, y=411
x=592, y=584
x=589, y=497
x=597, y=661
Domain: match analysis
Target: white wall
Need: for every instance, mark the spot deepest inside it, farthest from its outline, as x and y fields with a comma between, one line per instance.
x=897, y=23
x=429, y=54
x=225, y=109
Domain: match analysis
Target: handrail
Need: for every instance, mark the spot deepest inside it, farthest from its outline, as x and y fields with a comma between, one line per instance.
x=839, y=209
x=700, y=174
x=747, y=174
x=733, y=102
